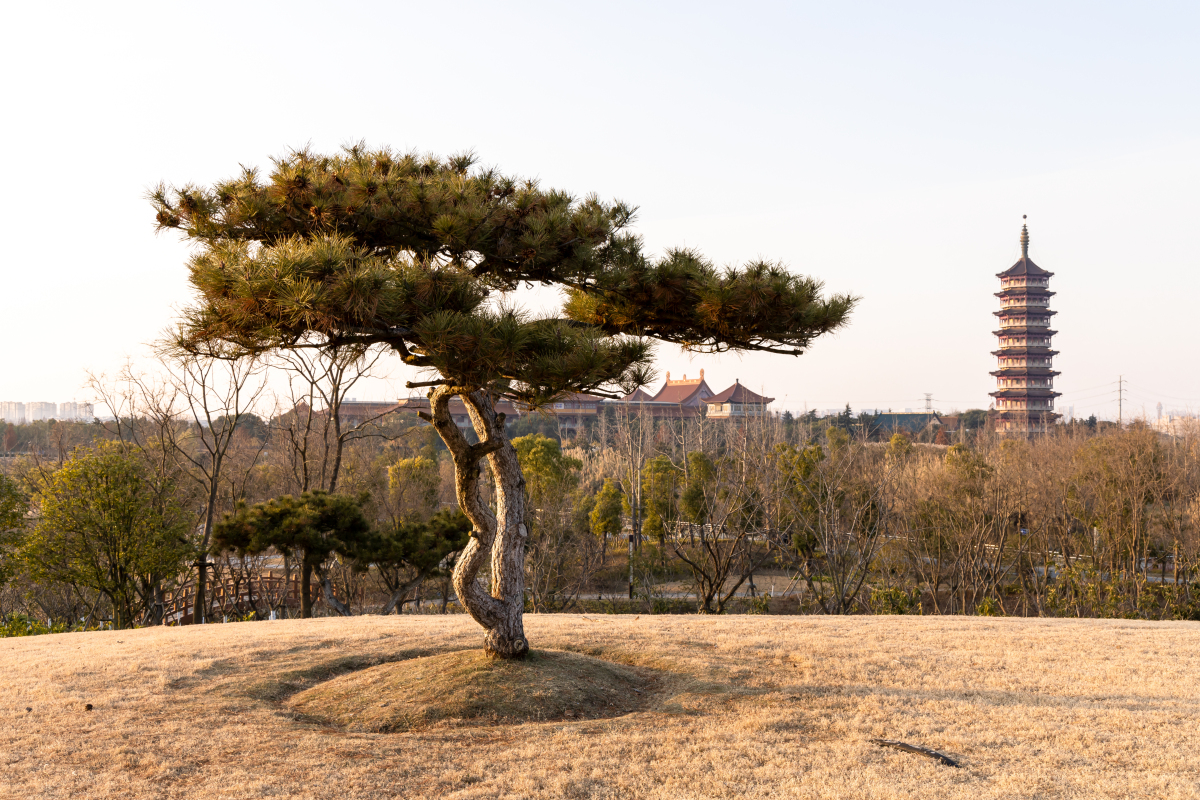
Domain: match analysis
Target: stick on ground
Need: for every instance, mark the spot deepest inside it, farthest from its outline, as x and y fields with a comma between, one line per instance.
x=921, y=751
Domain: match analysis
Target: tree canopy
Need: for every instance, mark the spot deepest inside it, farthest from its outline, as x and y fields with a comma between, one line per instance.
x=110, y=524
x=546, y=468
x=375, y=246
x=407, y=552
x=12, y=512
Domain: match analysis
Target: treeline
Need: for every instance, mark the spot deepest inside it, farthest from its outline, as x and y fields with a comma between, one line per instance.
x=188, y=507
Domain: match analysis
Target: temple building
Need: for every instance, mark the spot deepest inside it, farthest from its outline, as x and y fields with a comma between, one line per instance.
x=572, y=412
x=682, y=398
x=677, y=398
x=737, y=401
x=1024, y=396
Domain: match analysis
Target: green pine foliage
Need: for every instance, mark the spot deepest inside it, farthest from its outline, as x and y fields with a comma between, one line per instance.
x=313, y=525
x=697, y=498
x=418, y=546
x=546, y=468
x=661, y=480
x=310, y=527
x=417, y=252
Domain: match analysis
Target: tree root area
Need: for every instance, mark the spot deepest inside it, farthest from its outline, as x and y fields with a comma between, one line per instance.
x=466, y=687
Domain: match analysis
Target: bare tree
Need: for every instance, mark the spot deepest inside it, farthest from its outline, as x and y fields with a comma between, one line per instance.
x=730, y=526
x=319, y=381
x=632, y=439
x=194, y=411
x=839, y=504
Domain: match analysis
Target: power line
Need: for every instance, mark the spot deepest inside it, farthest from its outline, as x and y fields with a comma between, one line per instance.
x=1101, y=386
x=1156, y=395
x=1109, y=393
x=1093, y=405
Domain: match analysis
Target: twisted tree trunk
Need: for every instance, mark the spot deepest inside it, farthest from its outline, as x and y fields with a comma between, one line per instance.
x=498, y=537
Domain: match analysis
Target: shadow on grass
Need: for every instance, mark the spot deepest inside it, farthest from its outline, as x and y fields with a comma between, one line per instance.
x=274, y=676
x=466, y=688
x=393, y=690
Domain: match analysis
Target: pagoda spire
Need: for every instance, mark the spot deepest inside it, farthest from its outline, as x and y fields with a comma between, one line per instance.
x=1024, y=237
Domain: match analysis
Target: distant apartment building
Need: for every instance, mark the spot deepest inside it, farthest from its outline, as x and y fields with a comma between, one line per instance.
x=1177, y=425
x=21, y=413
x=81, y=412
x=12, y=412
x=35, y=412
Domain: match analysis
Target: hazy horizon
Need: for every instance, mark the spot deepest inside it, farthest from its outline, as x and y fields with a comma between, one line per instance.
x=888, y=151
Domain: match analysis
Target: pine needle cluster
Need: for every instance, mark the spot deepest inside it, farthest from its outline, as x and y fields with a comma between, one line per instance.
x=370, y=246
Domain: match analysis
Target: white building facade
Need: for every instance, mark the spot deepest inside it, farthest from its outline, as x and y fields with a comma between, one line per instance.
x=12, y=412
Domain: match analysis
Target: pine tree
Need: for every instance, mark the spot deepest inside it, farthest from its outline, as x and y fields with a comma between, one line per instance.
x=417, y=253
x=311, y=526
x=406, y=553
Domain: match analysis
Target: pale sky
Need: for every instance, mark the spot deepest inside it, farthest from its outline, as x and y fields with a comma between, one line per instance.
x=888, y=149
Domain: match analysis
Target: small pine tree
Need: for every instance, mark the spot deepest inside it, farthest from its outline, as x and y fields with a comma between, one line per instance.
x=312, y=526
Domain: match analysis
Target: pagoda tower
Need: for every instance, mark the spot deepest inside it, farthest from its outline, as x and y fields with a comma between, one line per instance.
x=1024, y=396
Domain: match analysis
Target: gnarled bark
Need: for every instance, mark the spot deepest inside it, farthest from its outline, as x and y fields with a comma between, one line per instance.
x=498, y=536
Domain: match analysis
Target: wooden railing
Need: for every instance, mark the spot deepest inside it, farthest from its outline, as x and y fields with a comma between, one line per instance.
x=234, y=597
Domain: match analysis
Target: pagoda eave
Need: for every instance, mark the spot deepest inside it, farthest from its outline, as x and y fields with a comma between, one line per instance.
x=1033, y=414
x=1024, y=311
x=1032, y=291
x=1022, y=372
x=1025, y=350
x=1031, y=393
x=1019, y=413
x=1024, y=332
x=1008, y=273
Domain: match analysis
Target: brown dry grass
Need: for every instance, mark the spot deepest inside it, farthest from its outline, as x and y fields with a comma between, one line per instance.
x=746, y=707
x=465, y=687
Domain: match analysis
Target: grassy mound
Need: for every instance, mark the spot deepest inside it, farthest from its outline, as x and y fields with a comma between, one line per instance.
x=465, y=686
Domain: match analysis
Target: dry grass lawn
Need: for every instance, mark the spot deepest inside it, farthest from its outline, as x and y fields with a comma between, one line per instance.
x=737, y=707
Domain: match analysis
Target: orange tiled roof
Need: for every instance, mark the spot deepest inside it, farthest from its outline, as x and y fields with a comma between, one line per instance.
x=740, y=394
x=683, y=391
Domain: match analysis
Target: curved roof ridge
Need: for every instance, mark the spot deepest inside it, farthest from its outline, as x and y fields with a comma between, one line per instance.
x=740, y=394
x=1024, y=266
